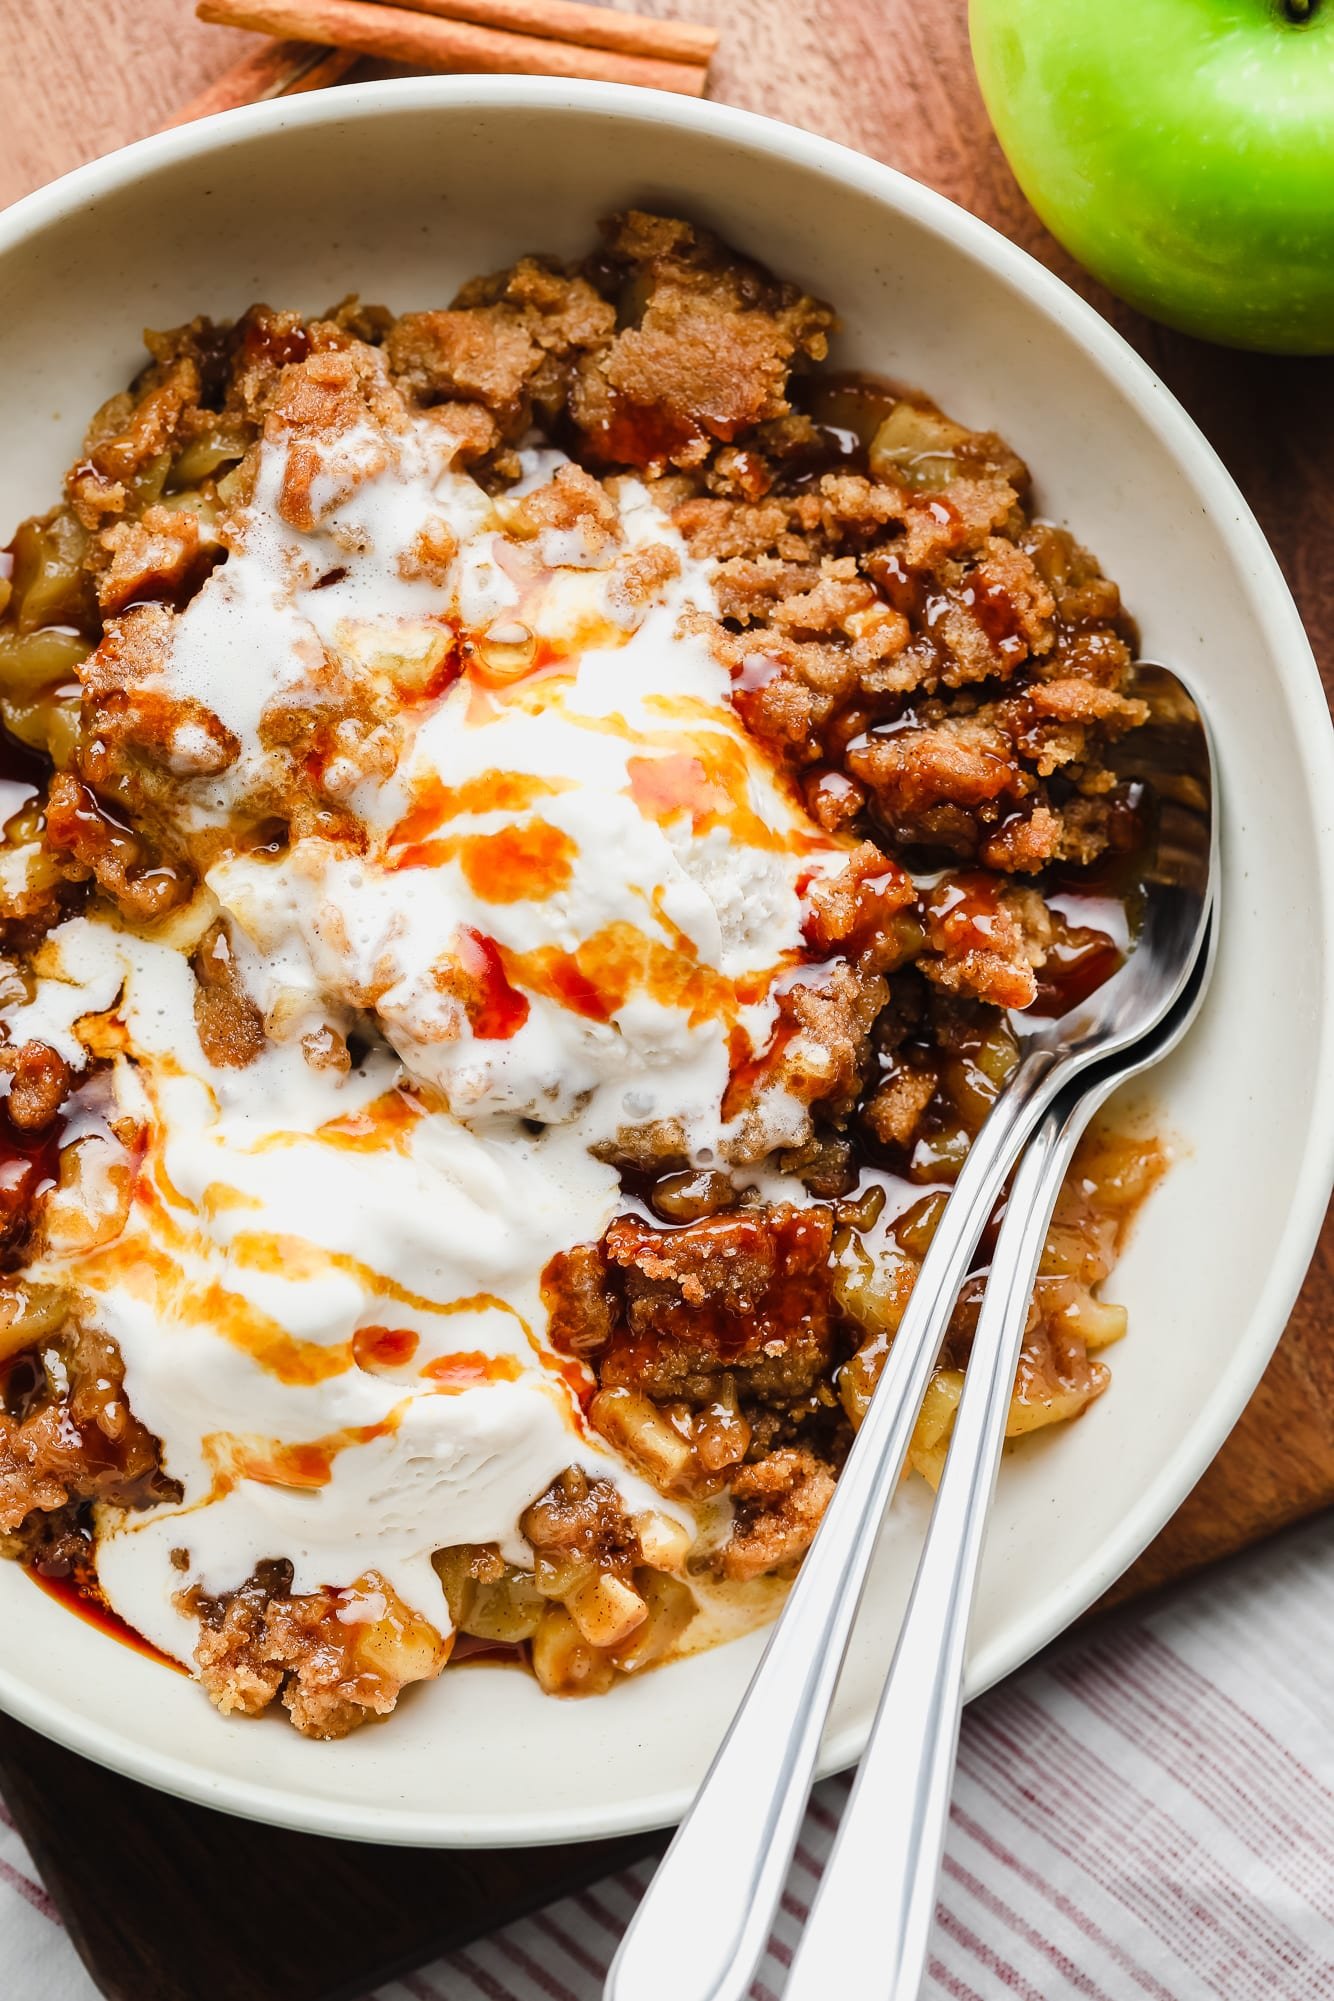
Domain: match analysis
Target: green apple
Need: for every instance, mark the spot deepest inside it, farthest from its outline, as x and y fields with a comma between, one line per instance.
x=1183, y=150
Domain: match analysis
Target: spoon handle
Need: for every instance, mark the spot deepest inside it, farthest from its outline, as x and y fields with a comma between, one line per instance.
x=703, y=1923
x=880, y=1881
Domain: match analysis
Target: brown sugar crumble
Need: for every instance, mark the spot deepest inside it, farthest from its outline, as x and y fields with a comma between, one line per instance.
x=939, y=673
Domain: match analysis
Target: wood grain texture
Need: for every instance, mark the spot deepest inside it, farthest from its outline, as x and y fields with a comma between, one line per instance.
x=83, y=76
x=893, y=78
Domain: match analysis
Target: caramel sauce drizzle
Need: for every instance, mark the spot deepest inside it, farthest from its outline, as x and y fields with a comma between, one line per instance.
x=471, y=1370
x=271, y=1463
x=598, y=978
x=697, y=764
x=496, y=1009
x=528, y=861
x=493, y=791
x=150, y=1264
x=82, y=1595
x=378, y=1350
x=386, y=1122
x=151, y=1272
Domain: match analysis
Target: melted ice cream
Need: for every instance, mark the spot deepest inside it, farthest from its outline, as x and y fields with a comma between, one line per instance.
x=574, y=882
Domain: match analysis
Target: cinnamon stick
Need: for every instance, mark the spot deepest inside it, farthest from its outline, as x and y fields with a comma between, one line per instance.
x=592, y=27
x=279, y=69
x=375, y=29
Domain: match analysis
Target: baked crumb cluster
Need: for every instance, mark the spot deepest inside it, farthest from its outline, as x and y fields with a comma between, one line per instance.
x=529, y=822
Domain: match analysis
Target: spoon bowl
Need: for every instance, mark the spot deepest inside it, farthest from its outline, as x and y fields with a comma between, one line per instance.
x=1170, y=758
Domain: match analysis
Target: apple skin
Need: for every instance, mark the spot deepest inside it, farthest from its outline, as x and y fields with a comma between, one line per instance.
x=1182, y=150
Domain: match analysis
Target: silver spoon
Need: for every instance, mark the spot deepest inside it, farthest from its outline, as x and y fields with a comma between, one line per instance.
x=880, y=1880
x=699, y=1932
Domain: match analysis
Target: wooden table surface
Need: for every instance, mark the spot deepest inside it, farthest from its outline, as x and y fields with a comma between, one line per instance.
x=893, y=78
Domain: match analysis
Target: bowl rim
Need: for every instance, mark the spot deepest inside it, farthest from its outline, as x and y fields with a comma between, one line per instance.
x=1252, y=558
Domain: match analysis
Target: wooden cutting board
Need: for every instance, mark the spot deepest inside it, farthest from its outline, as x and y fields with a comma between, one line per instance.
x=169, y=1902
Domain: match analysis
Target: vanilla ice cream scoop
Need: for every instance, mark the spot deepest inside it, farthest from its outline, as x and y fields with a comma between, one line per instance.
x=552, y=899
x=581, y=878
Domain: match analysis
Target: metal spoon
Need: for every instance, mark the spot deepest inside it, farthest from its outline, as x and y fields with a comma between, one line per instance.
x=699, y=1931
x=880, y=1880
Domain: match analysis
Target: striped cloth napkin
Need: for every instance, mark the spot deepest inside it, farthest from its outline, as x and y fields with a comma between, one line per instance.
x=1146, y=1812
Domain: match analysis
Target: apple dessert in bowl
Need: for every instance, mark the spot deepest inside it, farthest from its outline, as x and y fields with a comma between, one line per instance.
x=528, y=822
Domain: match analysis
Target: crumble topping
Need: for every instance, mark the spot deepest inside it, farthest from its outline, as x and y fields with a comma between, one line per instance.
x=535, y=816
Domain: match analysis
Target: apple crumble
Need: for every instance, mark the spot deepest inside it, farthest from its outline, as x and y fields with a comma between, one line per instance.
x=527, y=825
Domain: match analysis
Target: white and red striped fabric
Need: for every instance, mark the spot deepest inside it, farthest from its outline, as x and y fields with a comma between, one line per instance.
x=1145, y=1815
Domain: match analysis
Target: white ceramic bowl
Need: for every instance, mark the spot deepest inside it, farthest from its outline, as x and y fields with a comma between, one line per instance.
x=402, y=190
